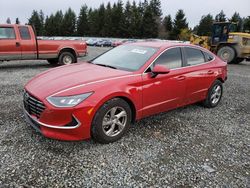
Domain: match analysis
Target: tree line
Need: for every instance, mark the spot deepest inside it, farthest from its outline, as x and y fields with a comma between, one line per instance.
x=129, y=20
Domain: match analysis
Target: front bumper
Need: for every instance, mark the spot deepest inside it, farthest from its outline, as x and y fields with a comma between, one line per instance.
x=71, y=131
x=71, y=125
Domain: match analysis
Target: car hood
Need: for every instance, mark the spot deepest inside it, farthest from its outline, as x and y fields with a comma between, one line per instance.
x=65, y=77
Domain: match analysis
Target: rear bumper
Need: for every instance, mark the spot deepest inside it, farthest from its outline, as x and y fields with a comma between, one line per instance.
x=82, y=54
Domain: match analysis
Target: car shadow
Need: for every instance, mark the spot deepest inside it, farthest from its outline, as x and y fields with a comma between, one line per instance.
x=145, y=128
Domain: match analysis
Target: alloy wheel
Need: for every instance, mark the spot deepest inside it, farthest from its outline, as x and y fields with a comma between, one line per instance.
x=216, y=94
x=114, y=121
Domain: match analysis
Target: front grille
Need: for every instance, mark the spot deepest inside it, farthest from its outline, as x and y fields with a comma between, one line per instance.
x=32, y=105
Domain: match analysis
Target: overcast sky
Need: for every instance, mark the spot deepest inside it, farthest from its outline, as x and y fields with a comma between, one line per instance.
x=193, y=9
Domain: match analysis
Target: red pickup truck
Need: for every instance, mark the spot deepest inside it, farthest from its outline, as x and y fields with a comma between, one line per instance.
x=19, y=42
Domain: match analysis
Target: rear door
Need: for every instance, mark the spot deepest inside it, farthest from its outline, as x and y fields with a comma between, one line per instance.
x=9, y=44
x=27, y=43
x=200, y=74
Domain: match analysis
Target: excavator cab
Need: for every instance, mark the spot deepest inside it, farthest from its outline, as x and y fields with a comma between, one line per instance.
x=220, y=32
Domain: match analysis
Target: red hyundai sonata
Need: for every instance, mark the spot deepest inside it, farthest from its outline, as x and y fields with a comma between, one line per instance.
x=102, y=97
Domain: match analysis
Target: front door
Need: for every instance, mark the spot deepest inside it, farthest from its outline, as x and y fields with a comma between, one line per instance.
x=165, y=91
x=9, y=44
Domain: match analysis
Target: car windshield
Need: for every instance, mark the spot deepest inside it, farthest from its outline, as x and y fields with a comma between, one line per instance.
x=126, y=57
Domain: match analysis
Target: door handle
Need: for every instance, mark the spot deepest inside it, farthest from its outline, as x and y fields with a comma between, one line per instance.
x=18, y=44
x=180, y=78
x=210, y=72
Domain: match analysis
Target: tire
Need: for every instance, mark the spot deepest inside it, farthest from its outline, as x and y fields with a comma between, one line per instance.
x=52, y=61
x=238, y=60
x=67, y=58
x=107, y=126
x=214, y=95
x=227, y=54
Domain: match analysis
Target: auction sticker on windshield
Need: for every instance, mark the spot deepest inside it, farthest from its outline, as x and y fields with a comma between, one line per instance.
x=139, y=51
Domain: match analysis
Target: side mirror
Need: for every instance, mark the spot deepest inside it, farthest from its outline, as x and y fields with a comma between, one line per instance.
x=159, y=69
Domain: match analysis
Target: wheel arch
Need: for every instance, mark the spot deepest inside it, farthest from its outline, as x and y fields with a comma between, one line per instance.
x=67, y=49
x=123, y=96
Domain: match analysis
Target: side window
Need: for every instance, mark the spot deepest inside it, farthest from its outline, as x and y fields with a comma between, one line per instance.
x=7, y=33
x=194, y=56
x=171, y=58
x=208, y=56
x=24, y=33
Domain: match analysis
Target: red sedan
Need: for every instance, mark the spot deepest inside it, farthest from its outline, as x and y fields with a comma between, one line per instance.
x=102, y=97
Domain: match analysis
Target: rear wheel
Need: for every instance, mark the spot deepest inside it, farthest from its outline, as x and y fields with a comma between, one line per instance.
x=67, y=58
x=111, y=121
x=227, y=54
x=214, y=95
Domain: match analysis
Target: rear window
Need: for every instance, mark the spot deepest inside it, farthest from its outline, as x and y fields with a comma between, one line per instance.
x=208, y=56
x=194, y=56
x=7, y=33
x=24, y=33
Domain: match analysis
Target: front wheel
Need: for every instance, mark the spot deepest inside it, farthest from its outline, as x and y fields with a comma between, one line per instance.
x=66, y=58
x=214, y=95
x=111, y=121
x=227, y=54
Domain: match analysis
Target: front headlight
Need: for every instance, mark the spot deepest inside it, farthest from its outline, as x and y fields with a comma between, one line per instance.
x=69, y=101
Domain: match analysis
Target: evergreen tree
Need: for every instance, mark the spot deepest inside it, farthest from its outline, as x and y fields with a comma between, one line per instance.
x=36, y=21
x=149, y=24
x=157, y=13
x=237, y=19
x=179, y=24
x=246, y=25
x=82, y=22
x=118, y=29
x=221, y=17
x=101, y=20
x=69, y=23
x=17, y=21
x=8, y=21
x=41, y=17
x=205, y=26
x=136, y=21
x=93, y=22
x=167, y=23
x=156, y=7
x=128, y=20
x=49, y=26
x=166, y=27
x=57, y=20
x=108, y=25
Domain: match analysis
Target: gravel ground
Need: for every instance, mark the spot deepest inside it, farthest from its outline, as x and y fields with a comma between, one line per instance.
x=188, y=147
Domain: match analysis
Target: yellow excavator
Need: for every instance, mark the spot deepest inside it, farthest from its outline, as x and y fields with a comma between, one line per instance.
x=229, y=45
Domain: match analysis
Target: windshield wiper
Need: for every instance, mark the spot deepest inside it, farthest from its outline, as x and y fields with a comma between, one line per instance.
x=109, y=66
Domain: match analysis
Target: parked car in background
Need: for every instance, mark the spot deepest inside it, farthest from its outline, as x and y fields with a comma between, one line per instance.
x=19, y=42
x=104, y=43
x=124, y=41
x=102, y=97
x=91, y=42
